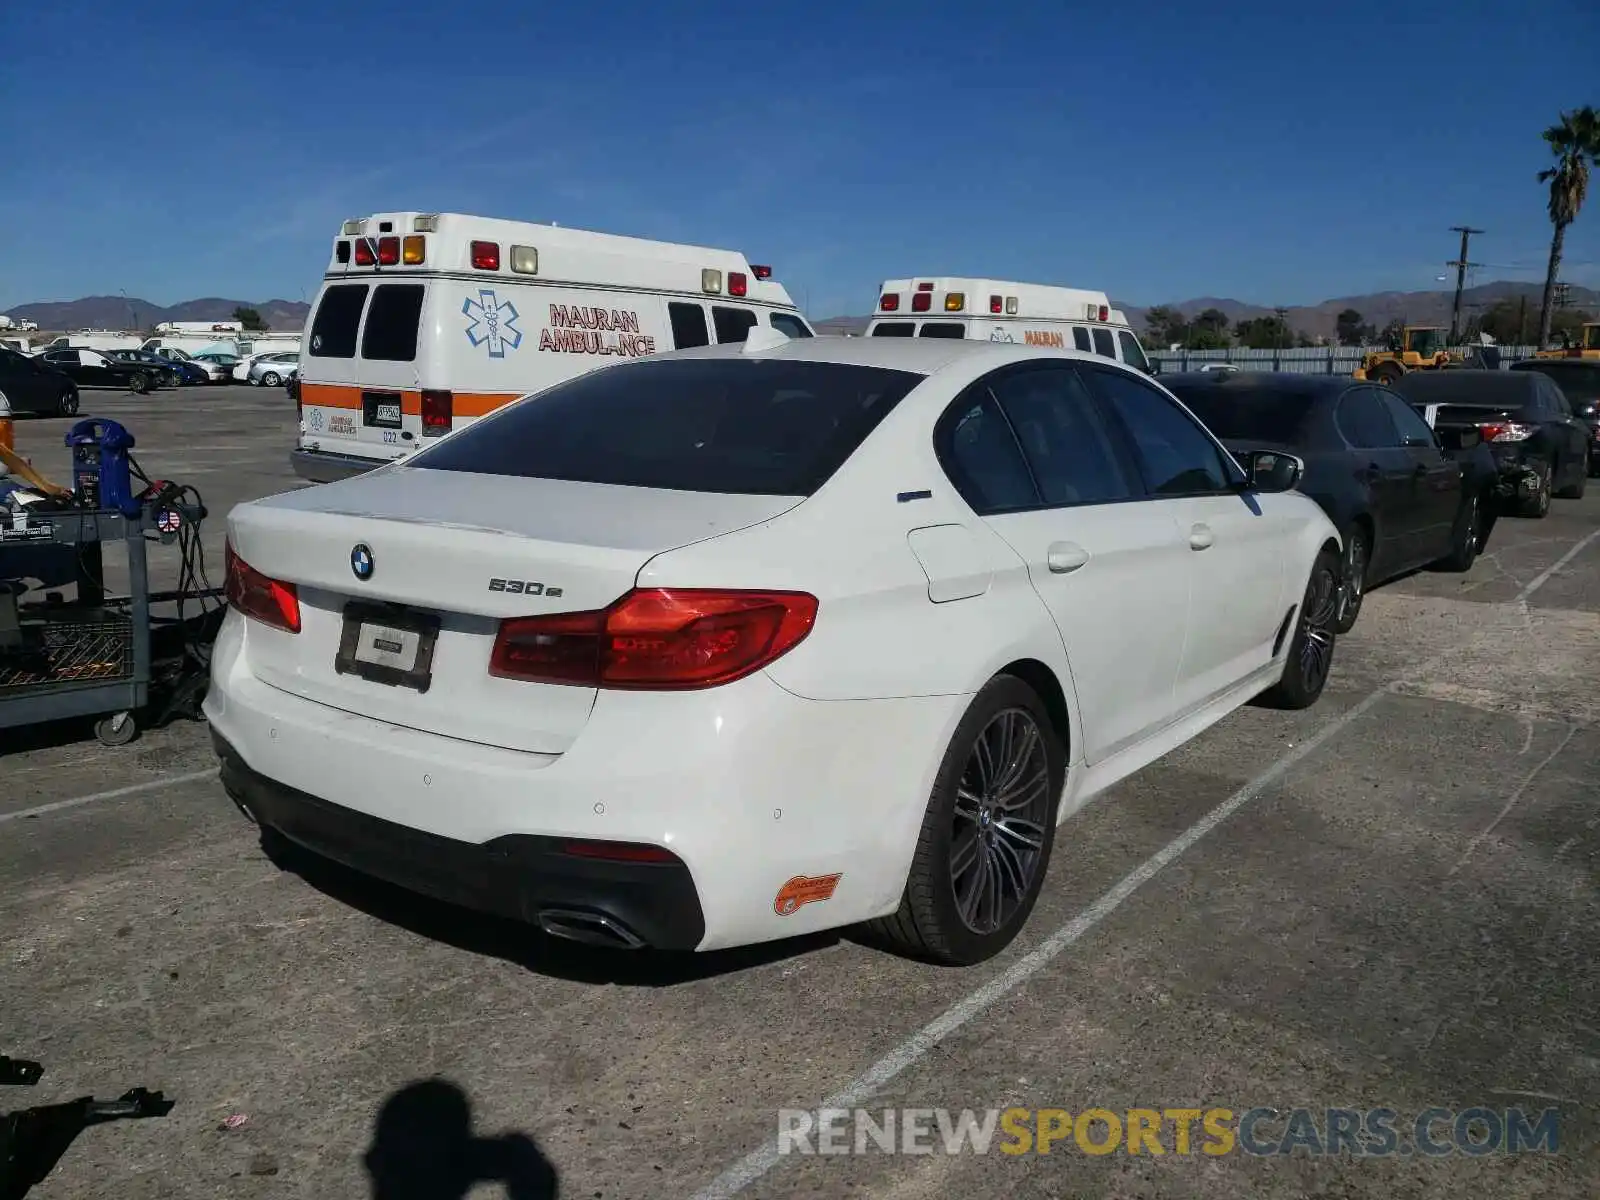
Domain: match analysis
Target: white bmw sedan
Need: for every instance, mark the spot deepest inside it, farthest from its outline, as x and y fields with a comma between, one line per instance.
x=726, y=645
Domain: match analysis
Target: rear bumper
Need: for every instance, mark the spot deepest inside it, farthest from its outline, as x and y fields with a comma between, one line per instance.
x=520, y=876
x=322, y=466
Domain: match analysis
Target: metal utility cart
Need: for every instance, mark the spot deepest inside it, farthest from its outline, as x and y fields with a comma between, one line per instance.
x=85, y=658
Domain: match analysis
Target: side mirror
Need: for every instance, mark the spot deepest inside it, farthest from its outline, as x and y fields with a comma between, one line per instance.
x=1155, y=366
x=1269, y=471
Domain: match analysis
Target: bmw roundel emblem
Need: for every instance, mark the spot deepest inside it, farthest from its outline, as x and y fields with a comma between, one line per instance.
x=361, y=561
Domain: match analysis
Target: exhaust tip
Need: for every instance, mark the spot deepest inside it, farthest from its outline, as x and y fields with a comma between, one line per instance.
x=591, y=928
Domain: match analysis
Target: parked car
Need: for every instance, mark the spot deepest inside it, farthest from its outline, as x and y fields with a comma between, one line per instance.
x=916, y=601
x=178, y=372
x=218, y=366
x=31, y=385
x=1579, y=381
x=92, y=368
x=1399, y=500
x=270, y=370
x=241, y=369
x=1540, y=448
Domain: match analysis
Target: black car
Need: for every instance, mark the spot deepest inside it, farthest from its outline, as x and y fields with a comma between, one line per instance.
x=175, y=372
x=1579, y=381
x=1540, y=448
x=32, y=386
x=1399, y=500
x=92, y=368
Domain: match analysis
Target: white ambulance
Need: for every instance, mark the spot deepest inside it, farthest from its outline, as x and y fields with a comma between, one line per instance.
x=996, y=310
x=427, y=321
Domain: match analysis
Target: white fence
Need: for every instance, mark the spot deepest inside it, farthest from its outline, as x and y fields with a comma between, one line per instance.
x=1313, y=360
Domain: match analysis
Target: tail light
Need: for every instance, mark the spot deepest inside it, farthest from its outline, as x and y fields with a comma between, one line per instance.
x=262, y=599
x=389, y=252
x=738, y=285
x=665, y=639
x=921, y=302
x=364, y=256
x=438, y=413
x=889, y=302
x=1506, y=431
x=486, y=256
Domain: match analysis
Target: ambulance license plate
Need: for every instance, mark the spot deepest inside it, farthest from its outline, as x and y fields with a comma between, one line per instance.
x=381, y=410
x=387, y=644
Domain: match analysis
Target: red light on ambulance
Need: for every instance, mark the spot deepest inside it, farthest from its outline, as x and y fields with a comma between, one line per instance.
x=438, y=413
x=922, y=302
x=1105, y=313
x=996, y=304
x=389, y=252
x=889, y=302
x=364, y=256
x=760, y=272
x=486, y=256
x=737, y=284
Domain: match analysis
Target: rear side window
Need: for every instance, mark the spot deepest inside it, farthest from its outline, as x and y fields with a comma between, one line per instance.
x=392, y=321
x=688, y=326
x=1065, y=437
x=758, y=428
x=1103, y=343
x=975, y=445
x=732, y=324
x=333, y=330
x=1364, y=420
x=789, y=325
x=942, y=329
x=893, y=329
x=1132, y=352
x=1080, y=338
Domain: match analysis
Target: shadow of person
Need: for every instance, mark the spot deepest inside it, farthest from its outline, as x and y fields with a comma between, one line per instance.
x=423, y=1148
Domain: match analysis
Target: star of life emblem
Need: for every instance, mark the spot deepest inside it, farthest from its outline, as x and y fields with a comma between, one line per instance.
x=492, y=322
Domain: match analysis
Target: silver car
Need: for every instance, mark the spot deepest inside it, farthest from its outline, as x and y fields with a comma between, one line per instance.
x=270, y=370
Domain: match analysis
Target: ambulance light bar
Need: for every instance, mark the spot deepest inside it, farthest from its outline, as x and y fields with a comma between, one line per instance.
x=760, y=272
x=525, y=260
x=1099, y=312
x=955, y=301
x=486, y=256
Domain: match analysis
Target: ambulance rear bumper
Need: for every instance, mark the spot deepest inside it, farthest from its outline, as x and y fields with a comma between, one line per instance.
x=324, y=466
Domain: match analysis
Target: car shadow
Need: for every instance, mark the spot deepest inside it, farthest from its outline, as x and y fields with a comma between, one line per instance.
x=522, y=944
x=424, y=1148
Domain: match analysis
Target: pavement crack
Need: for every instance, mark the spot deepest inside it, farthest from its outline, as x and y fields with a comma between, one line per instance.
x=1511, y=802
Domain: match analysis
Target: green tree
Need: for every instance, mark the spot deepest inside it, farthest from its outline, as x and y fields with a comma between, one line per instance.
x=1263, y=333
x=1392, y=333
x=1165, y=325
x=1575, y=141
x=249, y=318
x=1208, y=331
x=1566, y=326
x=1503, y=322
x=1352, y=330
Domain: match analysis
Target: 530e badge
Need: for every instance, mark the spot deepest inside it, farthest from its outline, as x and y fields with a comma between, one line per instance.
x=525, y=587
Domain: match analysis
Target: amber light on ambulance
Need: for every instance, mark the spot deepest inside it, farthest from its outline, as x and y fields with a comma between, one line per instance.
x=666, y=639
x=259, y=597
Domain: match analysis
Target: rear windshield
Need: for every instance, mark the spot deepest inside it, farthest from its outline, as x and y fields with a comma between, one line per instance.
x=333, y=330
x=1465, y=389
x=1580, y=383
x=758, y=428
x=893, y=329
x=1246, y=414
x=390, y=334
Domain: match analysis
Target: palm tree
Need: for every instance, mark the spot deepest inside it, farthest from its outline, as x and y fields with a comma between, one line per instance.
x=1576, y=144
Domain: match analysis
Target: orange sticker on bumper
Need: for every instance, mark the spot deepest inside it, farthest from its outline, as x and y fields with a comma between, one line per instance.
x=803, y=889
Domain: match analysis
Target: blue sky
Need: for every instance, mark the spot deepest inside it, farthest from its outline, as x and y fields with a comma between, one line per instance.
x=1274, y=153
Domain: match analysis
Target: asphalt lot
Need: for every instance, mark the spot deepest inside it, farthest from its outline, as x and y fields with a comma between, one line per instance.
x=1397, y=908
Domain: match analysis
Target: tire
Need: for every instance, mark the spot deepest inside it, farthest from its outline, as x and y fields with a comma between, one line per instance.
x=1384, y=374
x=1467, y=540
x=1537, y=506
x=67, y=402
x=140, y=383
x=944, y=916
x=270, y=379
x=1310, y=658
x=1574, y=491
x=1353, y=579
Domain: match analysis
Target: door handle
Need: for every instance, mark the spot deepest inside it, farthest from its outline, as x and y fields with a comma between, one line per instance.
x=1065, y=556
x=1200, y=537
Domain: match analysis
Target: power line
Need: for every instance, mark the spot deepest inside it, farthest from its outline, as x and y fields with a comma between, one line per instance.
x=1461, y=264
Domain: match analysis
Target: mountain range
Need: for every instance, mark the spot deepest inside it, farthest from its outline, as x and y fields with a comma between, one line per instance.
x=1319, y=320
x=133, y=315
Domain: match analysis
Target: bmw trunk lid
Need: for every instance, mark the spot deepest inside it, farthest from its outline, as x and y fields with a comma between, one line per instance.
x=389, y=561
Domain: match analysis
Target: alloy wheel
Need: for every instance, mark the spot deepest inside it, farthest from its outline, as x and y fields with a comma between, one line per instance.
x=1002, y=806
x=1316, y=645
x=1352, y=588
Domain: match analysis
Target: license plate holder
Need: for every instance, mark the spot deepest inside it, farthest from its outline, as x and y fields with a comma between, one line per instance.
x=380, y=410
x=387, y=644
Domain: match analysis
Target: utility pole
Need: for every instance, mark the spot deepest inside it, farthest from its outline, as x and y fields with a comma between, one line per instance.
x=1282, y=332
x=1461, y=264
x=1563, y=295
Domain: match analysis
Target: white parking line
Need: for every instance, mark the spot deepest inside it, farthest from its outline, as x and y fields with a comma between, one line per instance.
x=756, y=1164
x=132, y=789
x=1540, y=580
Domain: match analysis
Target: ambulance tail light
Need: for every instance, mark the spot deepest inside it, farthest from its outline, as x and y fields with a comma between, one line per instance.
x=737, y=284
x=955, y=301
x=438, y=413
x=388, y=252
x=760, y=272
x=415, y=251
x=486, y=256
x=922, y=302
x=996, y=304
x=364, y=256
x=889, y=302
